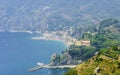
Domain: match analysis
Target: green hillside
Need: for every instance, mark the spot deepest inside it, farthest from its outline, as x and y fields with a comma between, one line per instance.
x=106, y=42
x=105, y=35
x=52, y=15
x=106, y=62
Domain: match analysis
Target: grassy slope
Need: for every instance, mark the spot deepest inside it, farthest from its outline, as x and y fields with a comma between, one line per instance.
x=107, y=62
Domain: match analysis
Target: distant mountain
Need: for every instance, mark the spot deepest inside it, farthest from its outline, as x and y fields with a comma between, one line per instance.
x=54, y=14
x=106, y=62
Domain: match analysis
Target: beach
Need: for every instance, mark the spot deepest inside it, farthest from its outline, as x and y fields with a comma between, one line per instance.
x=57, y=35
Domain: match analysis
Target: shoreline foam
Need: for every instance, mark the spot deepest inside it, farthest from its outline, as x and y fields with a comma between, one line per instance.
x=24, y=31
x=63, y=36
x=66, y=39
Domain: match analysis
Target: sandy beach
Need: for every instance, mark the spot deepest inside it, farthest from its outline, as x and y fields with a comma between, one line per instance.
x=58, y=35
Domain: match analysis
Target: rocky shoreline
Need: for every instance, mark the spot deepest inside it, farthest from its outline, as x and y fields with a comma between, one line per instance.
x=63, y=59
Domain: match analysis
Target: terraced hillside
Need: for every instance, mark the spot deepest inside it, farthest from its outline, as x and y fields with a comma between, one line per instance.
x=106, y=62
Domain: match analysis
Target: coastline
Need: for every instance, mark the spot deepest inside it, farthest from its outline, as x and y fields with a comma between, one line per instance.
x=29, y=53
x=56, y=36
x=24, y=31
x=59, y=36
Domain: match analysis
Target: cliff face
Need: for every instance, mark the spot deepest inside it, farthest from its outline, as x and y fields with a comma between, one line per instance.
x=64, y=59
x=106, y=62
x=74, y=55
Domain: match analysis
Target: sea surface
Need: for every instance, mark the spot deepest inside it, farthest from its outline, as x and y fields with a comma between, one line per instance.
x=19, y=53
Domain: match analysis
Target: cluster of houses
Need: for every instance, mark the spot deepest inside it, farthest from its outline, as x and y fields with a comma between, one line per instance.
x=82, y=43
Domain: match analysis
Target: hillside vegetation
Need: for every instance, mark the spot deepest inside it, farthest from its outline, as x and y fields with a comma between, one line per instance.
x=106, y=62
x=106, y=41
x=52, y=15
x=107, y=34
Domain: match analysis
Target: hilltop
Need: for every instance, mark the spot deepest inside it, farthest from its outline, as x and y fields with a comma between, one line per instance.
x=53, y=15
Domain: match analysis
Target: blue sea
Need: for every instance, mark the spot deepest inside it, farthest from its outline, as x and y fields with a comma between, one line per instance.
x=19, y=53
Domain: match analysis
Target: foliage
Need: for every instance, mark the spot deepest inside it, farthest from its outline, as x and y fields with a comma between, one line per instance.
x=108, y=22
x=42, y=15
x=82, y=52
x=71, y=72
x=106, y=63
x=106, y=42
